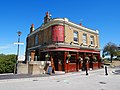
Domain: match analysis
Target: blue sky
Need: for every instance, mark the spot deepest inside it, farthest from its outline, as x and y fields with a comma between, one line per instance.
x=18, y=15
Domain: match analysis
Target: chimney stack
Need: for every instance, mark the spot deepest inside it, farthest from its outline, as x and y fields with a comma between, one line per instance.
x=80, y=24
x=47, y=14
x=47, y=17
x=32, y=28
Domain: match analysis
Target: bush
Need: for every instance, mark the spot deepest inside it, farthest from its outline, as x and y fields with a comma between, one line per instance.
x=7, y=63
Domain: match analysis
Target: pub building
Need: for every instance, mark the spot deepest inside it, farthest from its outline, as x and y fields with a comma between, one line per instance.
x=72, y=47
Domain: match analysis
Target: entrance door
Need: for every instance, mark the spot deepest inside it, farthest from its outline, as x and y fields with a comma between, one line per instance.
x=56, y=64
x=58, y=58
x=91, y=63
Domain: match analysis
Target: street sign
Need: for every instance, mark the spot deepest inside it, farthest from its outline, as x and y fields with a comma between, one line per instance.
x=19, y=43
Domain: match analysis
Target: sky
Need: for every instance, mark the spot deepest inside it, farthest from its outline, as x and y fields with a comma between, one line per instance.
x=18, y=15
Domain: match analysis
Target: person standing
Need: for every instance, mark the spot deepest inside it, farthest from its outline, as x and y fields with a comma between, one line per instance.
x=52, y=64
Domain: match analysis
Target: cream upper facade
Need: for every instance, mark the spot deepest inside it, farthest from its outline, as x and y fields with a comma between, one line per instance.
x=73, y=34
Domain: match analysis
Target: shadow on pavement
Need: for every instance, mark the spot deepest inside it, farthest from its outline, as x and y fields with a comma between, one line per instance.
x=18, y=76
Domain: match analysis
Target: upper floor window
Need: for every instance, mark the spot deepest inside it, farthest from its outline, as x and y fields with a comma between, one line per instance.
x=92, y=40
x=75, y=36
x=84, y=39
x=36, y=40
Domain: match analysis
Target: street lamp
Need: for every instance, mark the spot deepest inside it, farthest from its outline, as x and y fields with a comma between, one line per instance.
x=19, y=33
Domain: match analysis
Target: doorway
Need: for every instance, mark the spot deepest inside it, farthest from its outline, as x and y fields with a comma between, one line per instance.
x=58, y=58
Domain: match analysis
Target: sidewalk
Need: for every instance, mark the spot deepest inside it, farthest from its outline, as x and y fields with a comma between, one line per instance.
x=95, y=80
x=111, y=71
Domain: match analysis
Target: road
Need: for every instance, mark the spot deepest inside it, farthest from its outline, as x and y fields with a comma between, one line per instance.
x=96, y=80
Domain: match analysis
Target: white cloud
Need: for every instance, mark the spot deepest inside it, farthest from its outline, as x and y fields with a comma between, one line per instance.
x=12, y=49
x=6, y=46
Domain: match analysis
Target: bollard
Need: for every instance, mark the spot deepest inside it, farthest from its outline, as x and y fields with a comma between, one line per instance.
x=86, y=70
x=106, y=71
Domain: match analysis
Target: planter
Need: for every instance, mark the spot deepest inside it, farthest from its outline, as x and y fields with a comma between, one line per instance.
x=95, y=65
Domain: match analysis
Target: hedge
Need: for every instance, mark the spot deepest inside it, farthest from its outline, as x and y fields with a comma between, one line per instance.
x=7, y=63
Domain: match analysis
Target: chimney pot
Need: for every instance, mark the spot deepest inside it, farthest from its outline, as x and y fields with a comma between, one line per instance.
x=47, y=13
x=80, y=24
x=32, y=25
x=32, y=28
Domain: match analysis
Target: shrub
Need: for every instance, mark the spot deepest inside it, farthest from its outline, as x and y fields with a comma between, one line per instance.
x=7, y=63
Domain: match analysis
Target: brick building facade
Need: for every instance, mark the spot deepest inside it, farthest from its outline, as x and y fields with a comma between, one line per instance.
x=72, y=47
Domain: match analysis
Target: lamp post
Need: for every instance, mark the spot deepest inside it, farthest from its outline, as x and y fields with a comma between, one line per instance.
x=19, y=33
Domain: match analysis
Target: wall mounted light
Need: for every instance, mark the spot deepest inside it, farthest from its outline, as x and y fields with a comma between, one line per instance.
x=71, y=43
x=81, y=44
x=89, y=46
x=96, y=47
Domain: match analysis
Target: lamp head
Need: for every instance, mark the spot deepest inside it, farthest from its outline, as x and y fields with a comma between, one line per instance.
x=19, y=33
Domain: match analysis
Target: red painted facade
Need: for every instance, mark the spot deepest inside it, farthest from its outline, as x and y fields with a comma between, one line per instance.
x=71, y=49
x=57, y=33
x=72, y=67
x=75, y=65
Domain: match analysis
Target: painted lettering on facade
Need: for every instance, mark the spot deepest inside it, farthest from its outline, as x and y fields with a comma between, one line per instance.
x=58, y=33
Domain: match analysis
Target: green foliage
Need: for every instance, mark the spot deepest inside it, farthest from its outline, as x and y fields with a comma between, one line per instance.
x=110, y=49
x=118, y=53
x=7, y=63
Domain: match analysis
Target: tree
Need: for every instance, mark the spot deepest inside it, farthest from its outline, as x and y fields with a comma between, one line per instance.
x=7, y=63
x=110, y=49
x=118, y=54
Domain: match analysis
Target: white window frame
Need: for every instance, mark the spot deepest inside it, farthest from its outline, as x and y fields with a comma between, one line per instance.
x=75, y=36
x=92, y=40
x=84, y=39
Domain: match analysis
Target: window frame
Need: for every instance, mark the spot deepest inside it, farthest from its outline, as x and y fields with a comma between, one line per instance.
x=92, y=43
x=75, y=36
x=36, y=39
x=84, y=39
